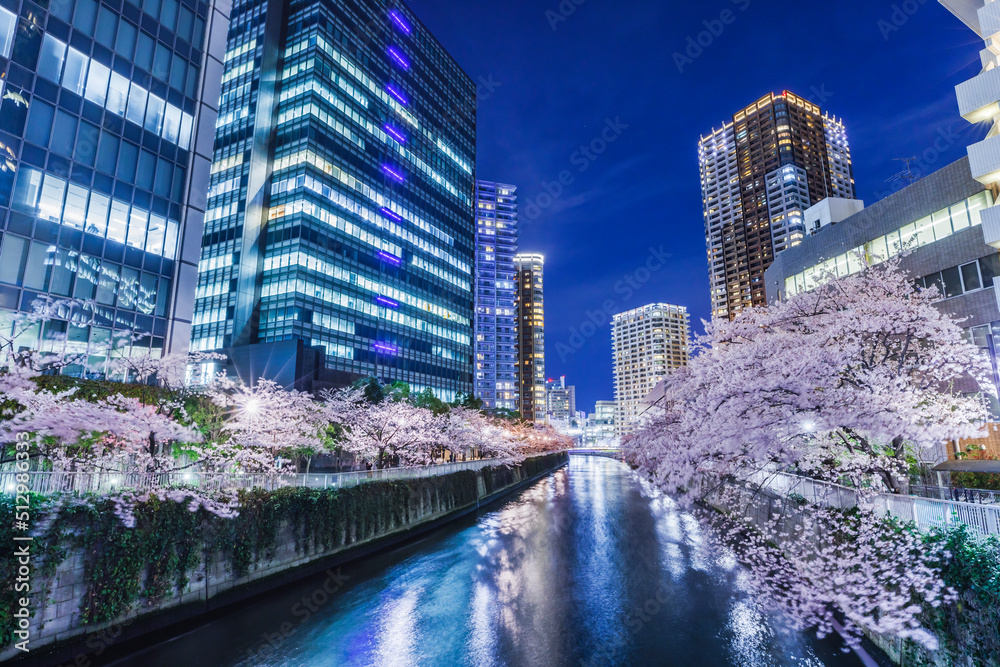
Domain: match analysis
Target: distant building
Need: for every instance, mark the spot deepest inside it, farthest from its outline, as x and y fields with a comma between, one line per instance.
x=560, y=400
x=496, y=295
x=647, y=344
x=531, y=337
x=601, y=425
x=759, y=173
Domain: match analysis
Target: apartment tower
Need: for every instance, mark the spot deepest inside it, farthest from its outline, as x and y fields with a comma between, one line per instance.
x=647, y=344
x=107, y=112
x=340, y=232
x=531, y=337
x=496, y=295
x=759, y=173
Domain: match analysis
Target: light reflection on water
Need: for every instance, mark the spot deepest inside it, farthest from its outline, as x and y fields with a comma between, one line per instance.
x=580, y=569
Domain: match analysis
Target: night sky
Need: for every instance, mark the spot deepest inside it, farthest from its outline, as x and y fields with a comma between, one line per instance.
x=549, y=86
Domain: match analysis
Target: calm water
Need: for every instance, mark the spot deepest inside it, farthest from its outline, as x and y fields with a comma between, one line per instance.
x=579, y=569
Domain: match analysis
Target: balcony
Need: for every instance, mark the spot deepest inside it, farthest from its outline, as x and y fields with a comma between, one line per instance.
x=984, y=160
x=978, y=97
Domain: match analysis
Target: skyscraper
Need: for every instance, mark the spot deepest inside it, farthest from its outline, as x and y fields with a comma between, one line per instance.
x=531, y=337
x=759, y=173
x=647, y=344
x=496, y=294
x=601, y=424
x=340, y=215
x=106, y=124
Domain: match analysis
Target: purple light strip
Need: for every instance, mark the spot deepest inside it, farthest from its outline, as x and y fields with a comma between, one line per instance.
x=387, y=302
x=397, y=93
x=398, y=57
x=390, y=259
x=386, y=348
x=392, y=215
x=401, y=23
x=395, y=133
x=393, y=174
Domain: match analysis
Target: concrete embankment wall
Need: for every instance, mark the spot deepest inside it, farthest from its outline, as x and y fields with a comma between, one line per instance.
x=60, y=635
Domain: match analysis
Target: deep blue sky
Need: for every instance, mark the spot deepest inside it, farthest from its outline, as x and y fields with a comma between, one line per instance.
x=614, y=59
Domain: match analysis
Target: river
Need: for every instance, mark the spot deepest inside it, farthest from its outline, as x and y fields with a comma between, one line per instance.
x=580, y=569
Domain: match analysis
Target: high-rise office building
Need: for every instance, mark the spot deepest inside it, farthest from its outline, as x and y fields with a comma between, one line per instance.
x=107, y=113
x=647, y=344
x=340, y=215
x=496, y=294
x=560, y=400
x=759, y=173
x=531, y=337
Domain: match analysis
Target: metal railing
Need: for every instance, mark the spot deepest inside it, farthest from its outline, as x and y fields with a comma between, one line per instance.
x=926, y=513
x=980, y=496
x=48, y=483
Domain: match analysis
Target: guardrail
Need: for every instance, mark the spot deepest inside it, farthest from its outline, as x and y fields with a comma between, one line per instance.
x=962, y=495
x=926, y=513
x=48, y=483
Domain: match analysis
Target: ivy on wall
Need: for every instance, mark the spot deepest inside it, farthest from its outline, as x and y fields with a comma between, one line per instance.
x=125, y=567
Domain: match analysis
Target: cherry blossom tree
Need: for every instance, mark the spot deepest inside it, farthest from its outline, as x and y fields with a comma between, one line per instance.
x=469, y=430
x=265, y=422
x=391, y=429
x=843, y=383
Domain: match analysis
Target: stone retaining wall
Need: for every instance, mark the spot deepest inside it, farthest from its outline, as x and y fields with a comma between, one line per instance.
x=59, y=635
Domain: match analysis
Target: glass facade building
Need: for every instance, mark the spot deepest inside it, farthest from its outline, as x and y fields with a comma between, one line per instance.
x=341, y=195
x=106, y=114
x=496, y=295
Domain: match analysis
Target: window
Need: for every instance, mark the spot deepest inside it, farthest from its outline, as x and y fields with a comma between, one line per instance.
x=136, y=104
x=126, y=40
x=137, y=229
x=26, y=190
x=107, y=155
x=170, y=246
x=97, y=214
x=107, y=283
x=970, y=276
x=50, y=60
x=85, y=151
x=63, y=134
x=12, y=259
x=118, y=221
x=171, y=123
x=76, y=71
x=154, y=114
x=75, y=211
x=34, y=272
x=51, y=203
x=157, y=231
x=127, y=156
x=952, y=282
x=86, y=13
x=117, y=94
x=61, y=277
x=8, y=26
x=97, y=83
x=942, y=224
x=990, y=268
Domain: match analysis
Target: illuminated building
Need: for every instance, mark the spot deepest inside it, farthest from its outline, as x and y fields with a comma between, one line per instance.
x=759, y=173
x=339, y=237
x=647, y=344
x=560, y=400
x=531, y=337
x=106, y=126
x=601, y=425
x=496, y=295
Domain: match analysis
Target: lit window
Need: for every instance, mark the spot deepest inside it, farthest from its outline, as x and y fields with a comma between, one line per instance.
x=50, y=60
x=8, y=26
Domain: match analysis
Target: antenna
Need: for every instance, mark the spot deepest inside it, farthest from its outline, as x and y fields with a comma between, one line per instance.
x=907, y=175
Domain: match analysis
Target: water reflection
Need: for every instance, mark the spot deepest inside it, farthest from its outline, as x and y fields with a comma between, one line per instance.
x=580, y=569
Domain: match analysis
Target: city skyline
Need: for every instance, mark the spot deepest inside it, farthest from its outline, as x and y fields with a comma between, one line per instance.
x=643, y=191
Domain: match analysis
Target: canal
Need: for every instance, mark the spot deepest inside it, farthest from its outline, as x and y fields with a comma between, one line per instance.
x=579, y=569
